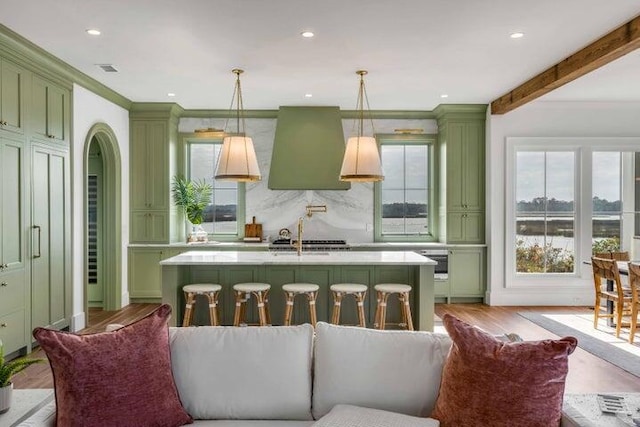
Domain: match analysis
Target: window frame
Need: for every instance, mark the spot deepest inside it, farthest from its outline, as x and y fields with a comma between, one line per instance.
x=188, y=139
x=584, y=148
x=430, y=140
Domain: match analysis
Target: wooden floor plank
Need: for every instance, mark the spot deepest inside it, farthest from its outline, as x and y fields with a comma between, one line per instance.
x=587, y=373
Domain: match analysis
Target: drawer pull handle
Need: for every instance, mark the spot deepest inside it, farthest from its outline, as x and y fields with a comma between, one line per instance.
x=4, y=325
x=3, y=284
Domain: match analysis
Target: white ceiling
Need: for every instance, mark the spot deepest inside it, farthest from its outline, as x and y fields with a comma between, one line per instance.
x=415, y=50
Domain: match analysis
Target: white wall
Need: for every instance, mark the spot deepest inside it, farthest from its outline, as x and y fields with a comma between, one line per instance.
x=89, y=109
x=543, y=119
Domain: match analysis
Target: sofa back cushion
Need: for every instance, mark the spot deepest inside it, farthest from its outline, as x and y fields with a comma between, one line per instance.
x=396, y=371
x=243, y=373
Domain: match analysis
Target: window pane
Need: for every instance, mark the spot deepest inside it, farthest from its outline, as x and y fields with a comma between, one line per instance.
x=606, y=201
x=545, y=215
x=392, y=157
x=416, y=162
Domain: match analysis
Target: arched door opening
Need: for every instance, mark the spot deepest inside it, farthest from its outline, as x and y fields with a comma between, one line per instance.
x=102, y=220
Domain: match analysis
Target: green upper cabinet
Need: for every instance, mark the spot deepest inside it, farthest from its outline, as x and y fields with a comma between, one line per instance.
x=465, y=166
x=149, y=160
x=461, y=139
x=12, y=89
x=49, y=110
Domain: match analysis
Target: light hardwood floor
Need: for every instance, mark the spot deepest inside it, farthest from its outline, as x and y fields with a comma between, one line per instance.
x=587, y=373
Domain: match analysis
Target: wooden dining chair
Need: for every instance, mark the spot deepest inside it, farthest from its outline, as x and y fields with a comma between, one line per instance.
x=607, y=269
x=634, y=283
x=618, y=256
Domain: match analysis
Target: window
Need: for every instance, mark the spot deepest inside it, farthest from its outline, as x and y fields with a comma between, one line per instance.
x=567, y=198
x=545, y=211
x=226, y=209
x=403, y=206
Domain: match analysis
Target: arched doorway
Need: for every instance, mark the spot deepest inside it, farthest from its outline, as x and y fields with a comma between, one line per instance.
x=102, y=219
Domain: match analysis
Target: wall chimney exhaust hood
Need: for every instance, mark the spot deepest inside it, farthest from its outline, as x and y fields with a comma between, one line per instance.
x=308, y=150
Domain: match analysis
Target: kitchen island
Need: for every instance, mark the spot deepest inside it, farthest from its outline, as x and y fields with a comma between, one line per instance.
x=323, y=268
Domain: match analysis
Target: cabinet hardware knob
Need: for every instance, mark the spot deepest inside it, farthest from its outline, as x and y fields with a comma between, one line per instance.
x=3, y=325
x=3, y=284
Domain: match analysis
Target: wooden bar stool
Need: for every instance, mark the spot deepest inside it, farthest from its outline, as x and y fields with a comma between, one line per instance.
x=243, y=293
x=358, y=291
x=383, y=290
x=211, y=291
x=293, y=289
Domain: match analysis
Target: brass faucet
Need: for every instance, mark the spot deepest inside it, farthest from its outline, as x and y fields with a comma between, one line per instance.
x=298, y=244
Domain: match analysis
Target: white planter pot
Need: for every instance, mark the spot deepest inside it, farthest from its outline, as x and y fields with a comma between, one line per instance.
x=5, y=398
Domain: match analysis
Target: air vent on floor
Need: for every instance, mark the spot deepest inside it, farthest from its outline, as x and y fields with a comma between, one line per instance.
x=108, y=68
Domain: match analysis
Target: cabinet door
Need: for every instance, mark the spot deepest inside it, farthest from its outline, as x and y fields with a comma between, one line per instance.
x=11, y=291
x=455, y=166
x=49, y=110
x=12, y=248
x=56, y=112
x=157, y=162
x=149, y=227
x=11, y=97
x=473, y=171
x=139, y=166
x=466, y=272
x=49, y=288
x=473, y=226
x=455, y=227
x=13, y=331
x=145, y=276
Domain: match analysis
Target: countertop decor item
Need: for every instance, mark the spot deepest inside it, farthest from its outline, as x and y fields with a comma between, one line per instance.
x=7, y=370
x=361, y=161
x=237, y=160
x=193, y=197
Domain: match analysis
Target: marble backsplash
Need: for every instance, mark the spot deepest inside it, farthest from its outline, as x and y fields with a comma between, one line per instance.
x=349, y=213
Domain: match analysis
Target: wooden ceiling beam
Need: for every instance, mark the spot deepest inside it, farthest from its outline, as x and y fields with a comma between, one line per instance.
x=607, y=48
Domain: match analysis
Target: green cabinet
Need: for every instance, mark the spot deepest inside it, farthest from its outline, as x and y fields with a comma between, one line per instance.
x=12, y=89
x=145, y=279
x=153, y=161
x=461, y=144
x=467, y=272
x=50, y=237
x=49, y=111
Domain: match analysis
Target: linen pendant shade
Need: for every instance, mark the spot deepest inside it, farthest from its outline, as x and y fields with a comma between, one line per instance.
x=237, y=160
x=361, y=162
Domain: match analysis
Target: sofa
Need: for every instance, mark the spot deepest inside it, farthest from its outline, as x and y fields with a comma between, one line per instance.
x=293, y=376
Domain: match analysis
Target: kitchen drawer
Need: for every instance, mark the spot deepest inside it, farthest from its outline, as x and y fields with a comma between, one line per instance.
x=11, y=291
x=441, y=288
x=12, y=331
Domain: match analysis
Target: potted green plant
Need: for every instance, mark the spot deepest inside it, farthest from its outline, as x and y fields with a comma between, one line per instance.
x=193, y=197
x=7, y=370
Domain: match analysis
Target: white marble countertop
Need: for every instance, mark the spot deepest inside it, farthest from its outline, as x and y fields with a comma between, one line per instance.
x=354, y=245
x=307, y=258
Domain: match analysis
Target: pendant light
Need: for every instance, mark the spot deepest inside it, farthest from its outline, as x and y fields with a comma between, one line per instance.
x=361, y=161
x=237, y=160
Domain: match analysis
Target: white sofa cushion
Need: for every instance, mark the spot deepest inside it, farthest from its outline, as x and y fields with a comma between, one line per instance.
x=243, y=373
x=356, y=416
x=397, y=371
x=250, y=423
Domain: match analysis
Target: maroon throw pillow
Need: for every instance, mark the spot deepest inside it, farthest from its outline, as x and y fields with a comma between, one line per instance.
x=487, y=382
x=119, y=378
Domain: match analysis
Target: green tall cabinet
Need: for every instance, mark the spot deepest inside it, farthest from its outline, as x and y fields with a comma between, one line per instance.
x=461, y=139
x=12, y=88
x=153, y=160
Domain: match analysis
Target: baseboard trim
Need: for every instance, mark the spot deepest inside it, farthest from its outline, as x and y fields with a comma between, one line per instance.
x=78, y=322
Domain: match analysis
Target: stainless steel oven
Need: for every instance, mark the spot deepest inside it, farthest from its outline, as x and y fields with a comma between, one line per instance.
x=441, y=256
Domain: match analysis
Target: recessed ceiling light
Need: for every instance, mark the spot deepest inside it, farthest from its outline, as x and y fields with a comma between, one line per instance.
x=307, y=34
x=171, y=94
x=444, y=95
x=93, y=31
x=308, y=95
x=516, y=35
